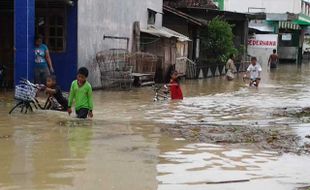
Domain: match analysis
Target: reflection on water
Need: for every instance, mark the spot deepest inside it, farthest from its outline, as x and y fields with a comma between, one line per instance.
x=206, y=166
x=50, y=150
x=236, y=104
x=122, y=146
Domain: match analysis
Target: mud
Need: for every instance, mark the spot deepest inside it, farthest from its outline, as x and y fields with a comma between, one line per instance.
x=278, y=139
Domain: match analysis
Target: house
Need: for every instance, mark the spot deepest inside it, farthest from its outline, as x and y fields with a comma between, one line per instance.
x=191, y=17
x=21, y=20
x=114, y=20
x=74, y=32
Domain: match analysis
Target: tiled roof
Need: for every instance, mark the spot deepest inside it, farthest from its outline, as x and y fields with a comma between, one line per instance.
x=190, y=3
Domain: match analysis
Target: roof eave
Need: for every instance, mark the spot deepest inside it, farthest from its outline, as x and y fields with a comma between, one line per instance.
x=182, y=15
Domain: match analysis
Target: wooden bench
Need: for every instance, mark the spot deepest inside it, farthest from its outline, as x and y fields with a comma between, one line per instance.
x=143, y=79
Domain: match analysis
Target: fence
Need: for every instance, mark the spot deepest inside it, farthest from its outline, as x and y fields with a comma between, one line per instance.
x=209, y=71
x=187, y=67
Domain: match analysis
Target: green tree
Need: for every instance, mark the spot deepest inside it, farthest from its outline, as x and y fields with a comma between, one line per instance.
x=217, y=41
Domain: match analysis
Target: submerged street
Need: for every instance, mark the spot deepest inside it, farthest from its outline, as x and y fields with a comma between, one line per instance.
x=123, y=146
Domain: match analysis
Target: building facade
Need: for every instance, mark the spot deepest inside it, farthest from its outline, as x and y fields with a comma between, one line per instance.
x=267, y=6
x=73, y=31
x=191, y=19
x=21, y=20
x=113, y=18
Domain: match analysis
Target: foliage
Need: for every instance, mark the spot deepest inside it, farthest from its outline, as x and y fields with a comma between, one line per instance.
x=240, y=52
x=217, y=41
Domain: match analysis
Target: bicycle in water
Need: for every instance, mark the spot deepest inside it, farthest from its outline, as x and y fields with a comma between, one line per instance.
x=25, y=95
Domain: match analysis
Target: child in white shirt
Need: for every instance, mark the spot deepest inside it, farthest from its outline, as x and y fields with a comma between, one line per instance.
x=255, y=71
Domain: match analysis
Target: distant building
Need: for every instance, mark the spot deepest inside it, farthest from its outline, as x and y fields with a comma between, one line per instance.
x=268, y=6
x=288, y=18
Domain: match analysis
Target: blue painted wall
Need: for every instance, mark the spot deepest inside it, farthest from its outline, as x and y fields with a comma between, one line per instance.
x=65, y=64
x=24, y=21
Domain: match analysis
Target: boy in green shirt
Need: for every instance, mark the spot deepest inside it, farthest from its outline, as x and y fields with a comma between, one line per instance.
x=81, y=92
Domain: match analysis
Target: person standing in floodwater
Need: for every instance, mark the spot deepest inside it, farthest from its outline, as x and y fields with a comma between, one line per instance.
x=81, y=92
x=175, y=88
x=43, y=62
x=231, y=68
x=255, y=71
x=273, y=60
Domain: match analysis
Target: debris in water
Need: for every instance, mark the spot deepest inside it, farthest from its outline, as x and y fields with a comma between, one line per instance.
x=232, y=181
x=5, y=136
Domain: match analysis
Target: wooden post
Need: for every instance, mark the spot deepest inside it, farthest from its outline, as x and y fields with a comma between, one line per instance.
x=136, y=37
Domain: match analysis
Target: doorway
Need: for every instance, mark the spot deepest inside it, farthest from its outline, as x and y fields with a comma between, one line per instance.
x=56, y=21
x=6, y=43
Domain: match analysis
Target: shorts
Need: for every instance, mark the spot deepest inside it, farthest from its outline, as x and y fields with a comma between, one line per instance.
x=41, y=74
x=230, y=75
x=255, y=79
x=273, y=66
x=82, y=113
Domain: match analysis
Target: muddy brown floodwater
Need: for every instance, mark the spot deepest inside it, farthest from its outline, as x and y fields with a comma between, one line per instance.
x=128, y=144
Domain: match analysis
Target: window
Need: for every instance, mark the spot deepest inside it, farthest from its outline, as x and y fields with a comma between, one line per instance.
x=56, y=40
x=151, y=17
x=52, y=25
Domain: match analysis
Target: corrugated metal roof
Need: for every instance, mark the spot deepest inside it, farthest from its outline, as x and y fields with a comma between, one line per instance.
x=165, y=32
x=182, y=15
x=262, y=26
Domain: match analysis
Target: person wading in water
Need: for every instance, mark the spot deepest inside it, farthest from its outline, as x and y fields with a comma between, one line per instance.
x=273, y=60
x=231, y=68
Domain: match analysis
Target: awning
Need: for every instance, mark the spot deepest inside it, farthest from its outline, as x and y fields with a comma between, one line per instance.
x=303, y=20
x=288, y=25
x=165, y=32
x=262, y=26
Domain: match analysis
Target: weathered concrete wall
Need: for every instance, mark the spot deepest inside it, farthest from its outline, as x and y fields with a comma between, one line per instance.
x=109, y=17
x=271, y=6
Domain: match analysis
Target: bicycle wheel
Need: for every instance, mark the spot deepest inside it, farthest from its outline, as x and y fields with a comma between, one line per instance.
x=28, y=107
x=18, y=106
x=48, y=103
x=46, y=106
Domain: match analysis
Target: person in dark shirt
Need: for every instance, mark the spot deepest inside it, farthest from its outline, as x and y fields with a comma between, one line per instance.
x=53, y=90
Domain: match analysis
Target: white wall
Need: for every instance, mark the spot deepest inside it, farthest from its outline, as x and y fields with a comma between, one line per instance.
x=271, y=6
x=262, y=52
x=109, y=17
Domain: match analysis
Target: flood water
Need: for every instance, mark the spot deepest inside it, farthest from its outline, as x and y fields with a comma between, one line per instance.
x=122, y=147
